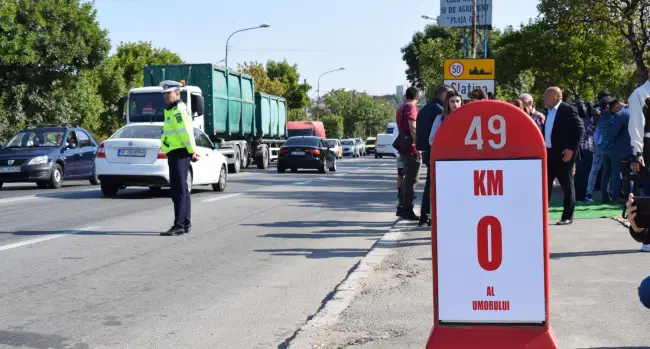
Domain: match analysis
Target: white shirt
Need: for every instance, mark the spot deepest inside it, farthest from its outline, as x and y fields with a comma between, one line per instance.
x=434, y=128
x=548, y=126
x=636, y=125
x=395, y=134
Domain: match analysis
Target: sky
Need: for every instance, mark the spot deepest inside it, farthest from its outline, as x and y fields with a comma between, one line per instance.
x=363, y=36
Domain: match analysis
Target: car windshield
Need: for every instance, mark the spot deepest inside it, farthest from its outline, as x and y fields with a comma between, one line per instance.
x=139, y=131
x=37, y=138
x=149, y=107
x=331, y=142
x=303, y=141
x=370, y=142
x=303, y=132
x=347, y=142
x=357, y=140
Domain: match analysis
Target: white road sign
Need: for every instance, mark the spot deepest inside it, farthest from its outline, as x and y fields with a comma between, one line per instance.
x=466, y=86
x=458, y=13
x=490, y=241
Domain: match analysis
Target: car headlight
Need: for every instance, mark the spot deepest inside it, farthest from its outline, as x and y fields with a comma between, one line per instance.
x=38, y=160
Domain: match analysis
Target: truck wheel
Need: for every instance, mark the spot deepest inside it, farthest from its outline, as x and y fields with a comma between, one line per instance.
x=244, y=157
x=263, y=160
x=236, y=166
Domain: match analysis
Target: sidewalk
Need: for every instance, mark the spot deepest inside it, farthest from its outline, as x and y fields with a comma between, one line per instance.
x=595, y=271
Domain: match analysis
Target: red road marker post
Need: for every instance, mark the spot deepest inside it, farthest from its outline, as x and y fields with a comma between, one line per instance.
x=489, y=233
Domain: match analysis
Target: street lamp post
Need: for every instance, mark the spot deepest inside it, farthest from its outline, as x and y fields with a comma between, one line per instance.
x=318, y=91
x=429, y=17
x=241, y=30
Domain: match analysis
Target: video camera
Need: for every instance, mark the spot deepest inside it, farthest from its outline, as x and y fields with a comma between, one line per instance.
x=628, y=174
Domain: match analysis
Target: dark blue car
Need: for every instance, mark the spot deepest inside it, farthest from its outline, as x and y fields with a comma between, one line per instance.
x=46, y=154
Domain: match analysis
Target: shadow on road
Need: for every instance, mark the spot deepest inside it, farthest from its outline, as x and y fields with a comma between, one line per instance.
x=348, y=200
x=326, y=234
x=314, y=224
x=316, y=253
x=560, y=255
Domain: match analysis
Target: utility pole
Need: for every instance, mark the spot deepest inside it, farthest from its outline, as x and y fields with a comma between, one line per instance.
x=474, y=8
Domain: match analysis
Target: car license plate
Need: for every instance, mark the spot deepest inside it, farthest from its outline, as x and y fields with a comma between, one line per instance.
x=139, y=153
x=12, y=169
x=298, y=153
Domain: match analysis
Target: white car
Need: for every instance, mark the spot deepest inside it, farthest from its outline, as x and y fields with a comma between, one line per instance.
x=132, y=157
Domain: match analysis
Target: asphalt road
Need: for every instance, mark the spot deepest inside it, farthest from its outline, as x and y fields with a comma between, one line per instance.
x=82, y=271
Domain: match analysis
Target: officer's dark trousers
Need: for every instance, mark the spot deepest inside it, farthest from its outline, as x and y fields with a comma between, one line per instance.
x=179, y=165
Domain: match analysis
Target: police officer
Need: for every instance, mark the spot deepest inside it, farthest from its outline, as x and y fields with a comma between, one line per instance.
x=177, y=141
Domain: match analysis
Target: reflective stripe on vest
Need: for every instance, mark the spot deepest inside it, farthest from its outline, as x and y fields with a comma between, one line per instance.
x=175, y=133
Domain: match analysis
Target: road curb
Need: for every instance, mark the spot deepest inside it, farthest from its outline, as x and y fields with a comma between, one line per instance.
x=345, y=292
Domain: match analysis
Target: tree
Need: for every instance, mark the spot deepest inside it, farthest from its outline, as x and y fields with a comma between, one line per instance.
x=45, y=46
x=125, y=70
x=333, y=125
x=296, y=93
x=362, y=115
x=629, y=19
x=263, y=82
x=297, y=115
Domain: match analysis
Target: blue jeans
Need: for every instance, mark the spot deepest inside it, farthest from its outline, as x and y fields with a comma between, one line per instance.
x=606, y=177
x=595, y=168
x=583, y=167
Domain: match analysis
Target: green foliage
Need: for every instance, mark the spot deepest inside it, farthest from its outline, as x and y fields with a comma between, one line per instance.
x=296, y=93
x=46, y=46
x=297, y=115
x=362, y=115
x=263, y=83
x=333, y=125
x=570, y=46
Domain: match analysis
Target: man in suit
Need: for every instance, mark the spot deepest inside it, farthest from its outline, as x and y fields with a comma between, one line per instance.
x=563, y=130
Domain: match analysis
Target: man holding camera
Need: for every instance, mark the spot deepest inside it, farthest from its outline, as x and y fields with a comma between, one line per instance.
x=639, y=130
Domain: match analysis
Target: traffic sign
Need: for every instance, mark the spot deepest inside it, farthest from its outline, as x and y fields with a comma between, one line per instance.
x=458, y=14
x=465, y=87
x=469, y=69
x=490, y=231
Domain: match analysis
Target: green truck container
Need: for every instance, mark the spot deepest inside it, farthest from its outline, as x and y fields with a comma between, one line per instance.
x=247, y=125
x=250, y=114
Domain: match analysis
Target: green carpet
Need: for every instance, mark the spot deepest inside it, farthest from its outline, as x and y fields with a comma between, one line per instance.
x=585, y=210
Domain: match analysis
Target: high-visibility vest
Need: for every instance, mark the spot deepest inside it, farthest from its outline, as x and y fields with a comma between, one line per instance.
x=178, y=131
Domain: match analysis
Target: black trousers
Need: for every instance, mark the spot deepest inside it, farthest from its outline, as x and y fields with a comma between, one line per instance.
x=411, y=172
x=563, y=171
x=425, y=208
x=179, y=166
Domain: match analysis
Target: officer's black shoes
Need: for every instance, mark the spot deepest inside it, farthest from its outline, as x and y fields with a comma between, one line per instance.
x=187, y=230
x=565, y=222
x=173, y=231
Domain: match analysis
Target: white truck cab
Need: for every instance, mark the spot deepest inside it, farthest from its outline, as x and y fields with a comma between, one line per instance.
x=146, y=104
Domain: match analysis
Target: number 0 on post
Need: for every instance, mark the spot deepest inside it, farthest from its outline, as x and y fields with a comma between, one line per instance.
x=489, y=231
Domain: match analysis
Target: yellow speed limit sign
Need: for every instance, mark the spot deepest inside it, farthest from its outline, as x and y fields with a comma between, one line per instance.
x=469, y=69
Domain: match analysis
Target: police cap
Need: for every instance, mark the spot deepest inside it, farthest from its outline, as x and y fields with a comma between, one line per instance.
x=170, y=85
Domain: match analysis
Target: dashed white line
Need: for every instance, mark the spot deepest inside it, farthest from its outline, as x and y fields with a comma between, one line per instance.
x=45, y=238
x=305, y=182
x=223, y=197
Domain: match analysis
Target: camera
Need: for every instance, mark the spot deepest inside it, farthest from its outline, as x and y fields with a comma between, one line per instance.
x=628, y=174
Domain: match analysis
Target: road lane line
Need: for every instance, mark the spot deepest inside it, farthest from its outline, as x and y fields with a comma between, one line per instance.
x=305, y=182
x=45, y=196
x=223, y=197
x=45, y=238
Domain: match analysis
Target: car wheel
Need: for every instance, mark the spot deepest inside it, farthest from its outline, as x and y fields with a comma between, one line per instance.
x=294, y=170
x=110, y=190
x=221, y=185
x=281, y=169
x=155, y=190
x=376, y=156
x=189, y=181
x=94, y=179
x=1, y=184
x=42, y=184
x=56, y=178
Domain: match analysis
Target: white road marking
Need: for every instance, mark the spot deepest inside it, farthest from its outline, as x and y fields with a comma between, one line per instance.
x=223, y=197
x=339, y=174
x=305, y=182
x=44, y=196
x=45, y=238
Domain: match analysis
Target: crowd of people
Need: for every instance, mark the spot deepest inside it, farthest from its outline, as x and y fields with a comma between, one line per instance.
x=586, y=145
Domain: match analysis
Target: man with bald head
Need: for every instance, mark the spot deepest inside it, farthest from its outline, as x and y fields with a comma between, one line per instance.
x=563, y=130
